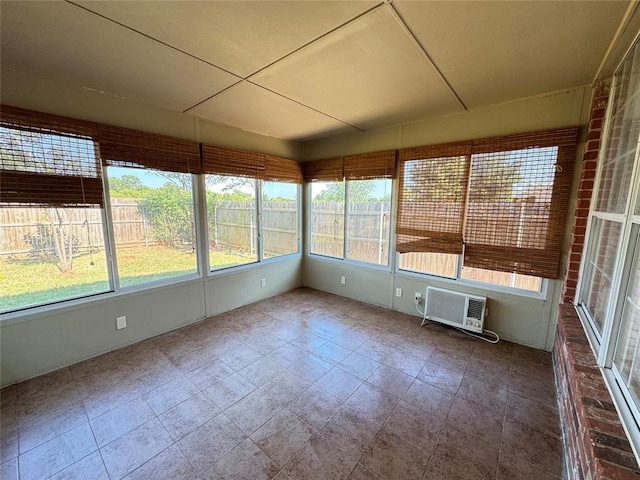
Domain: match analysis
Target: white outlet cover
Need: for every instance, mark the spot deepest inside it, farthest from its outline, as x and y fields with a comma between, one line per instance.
x=343, y=280
x=398, y=292
x=121, y=322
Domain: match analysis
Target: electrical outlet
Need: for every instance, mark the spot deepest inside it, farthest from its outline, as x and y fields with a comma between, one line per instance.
x=121, y=322
x=343, y=280
x=263, y=282
x=398, y=292
x=417, y=298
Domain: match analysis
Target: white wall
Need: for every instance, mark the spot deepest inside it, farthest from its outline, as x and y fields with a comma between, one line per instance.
x=46, y=339
x=525, y=320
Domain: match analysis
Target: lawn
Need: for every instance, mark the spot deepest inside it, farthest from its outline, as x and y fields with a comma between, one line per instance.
x=32, y=281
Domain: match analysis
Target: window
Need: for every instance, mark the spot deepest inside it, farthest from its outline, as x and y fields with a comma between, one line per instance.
x=608, y=298
x=152, y=217
x=52, y=246
x=491, y=210
x=232, y=218
x=151, y=204
x=351, y=206
x=327, y=219
x=280, y=225
x=252, y=206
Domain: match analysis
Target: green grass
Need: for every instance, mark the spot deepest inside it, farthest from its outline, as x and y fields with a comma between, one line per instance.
x=34, y=281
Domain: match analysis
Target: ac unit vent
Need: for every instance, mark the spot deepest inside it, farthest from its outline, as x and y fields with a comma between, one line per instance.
x=454, y=308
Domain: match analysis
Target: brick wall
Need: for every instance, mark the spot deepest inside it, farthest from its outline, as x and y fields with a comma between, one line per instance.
x=596, y=446
x=585, y=188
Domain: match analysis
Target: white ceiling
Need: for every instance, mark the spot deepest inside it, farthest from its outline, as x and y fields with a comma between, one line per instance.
x=301, y=70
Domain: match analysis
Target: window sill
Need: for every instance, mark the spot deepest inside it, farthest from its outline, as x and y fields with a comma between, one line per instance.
x=350, y=263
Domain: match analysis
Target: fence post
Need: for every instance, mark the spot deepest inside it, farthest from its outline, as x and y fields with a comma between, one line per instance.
x=380, y=235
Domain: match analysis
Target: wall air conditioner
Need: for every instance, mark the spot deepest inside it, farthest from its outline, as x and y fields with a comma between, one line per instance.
x=456, y=309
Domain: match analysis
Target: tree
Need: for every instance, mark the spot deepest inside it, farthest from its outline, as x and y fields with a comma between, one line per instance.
x=169, y=210
x=359, y=191
x=127, y=186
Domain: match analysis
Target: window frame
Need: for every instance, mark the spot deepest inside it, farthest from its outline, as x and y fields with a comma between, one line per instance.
x=604, y=344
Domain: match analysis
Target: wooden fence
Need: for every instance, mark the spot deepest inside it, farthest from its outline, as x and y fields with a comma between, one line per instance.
x=232, y=227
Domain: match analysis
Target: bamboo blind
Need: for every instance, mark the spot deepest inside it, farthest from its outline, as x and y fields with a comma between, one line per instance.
x=518, y=195
x=325, y=170
x=48, y=160
x=431, y=198
x=124, y=147
x=229, y=161
x=368, y=166
x=278, y=169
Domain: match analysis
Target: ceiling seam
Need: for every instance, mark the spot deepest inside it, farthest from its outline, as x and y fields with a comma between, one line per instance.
x=305, y=106
x=423, y=50
x=71, y=2
x=211, y=96
x=310, y=42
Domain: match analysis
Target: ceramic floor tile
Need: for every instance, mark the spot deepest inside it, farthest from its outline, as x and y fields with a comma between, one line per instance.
x=261, y=371
x=57, y=454
x=132, y=450
x=209, y=374
x=311, y=368
x=9, y=469
x=36, y=430
x=245, y=462
x=170, y=394
x=389, y=456
x=340, y=383
x=350, y=429
x=415, y=426
x=208, y=443
x=120, y=421
x=188, y=415
x=362, y=473
x=441, y=377
x=90, y=466
x=282, y=436
x=320, y=458
x=428, y=399
x=390, y=380
x=373, y=402
x=360, y=365
x=111, y=397
x=474, y=411
x=315, y=406
x=170, y=464
x=253, y=411
x=230, y=390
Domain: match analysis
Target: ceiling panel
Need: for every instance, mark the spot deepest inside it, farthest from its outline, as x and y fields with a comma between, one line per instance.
x=497, y=51
x=253, y=108
x=239, y=36
x=368, y=74
x=62, y=41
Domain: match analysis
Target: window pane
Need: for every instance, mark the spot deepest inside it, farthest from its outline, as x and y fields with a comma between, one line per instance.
x=50, y=254
x=603, y=250
x=153, y=225
x=623, y=130
x=505, y=279
x=441, y=264
x=627, y=356
x=232, y=221
x=327, y=218
x=368, y=216
x=279, y=219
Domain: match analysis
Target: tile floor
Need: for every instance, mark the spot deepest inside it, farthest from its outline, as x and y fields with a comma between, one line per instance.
x=305, y=385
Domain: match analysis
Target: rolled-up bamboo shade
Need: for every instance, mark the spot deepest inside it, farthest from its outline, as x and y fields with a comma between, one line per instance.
x=431, y=198
x=282, y=170
x=324, y=170
x=48, y=160
x=518, y=196
x=229, y=161
x=124, y=147
x=369, y=166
